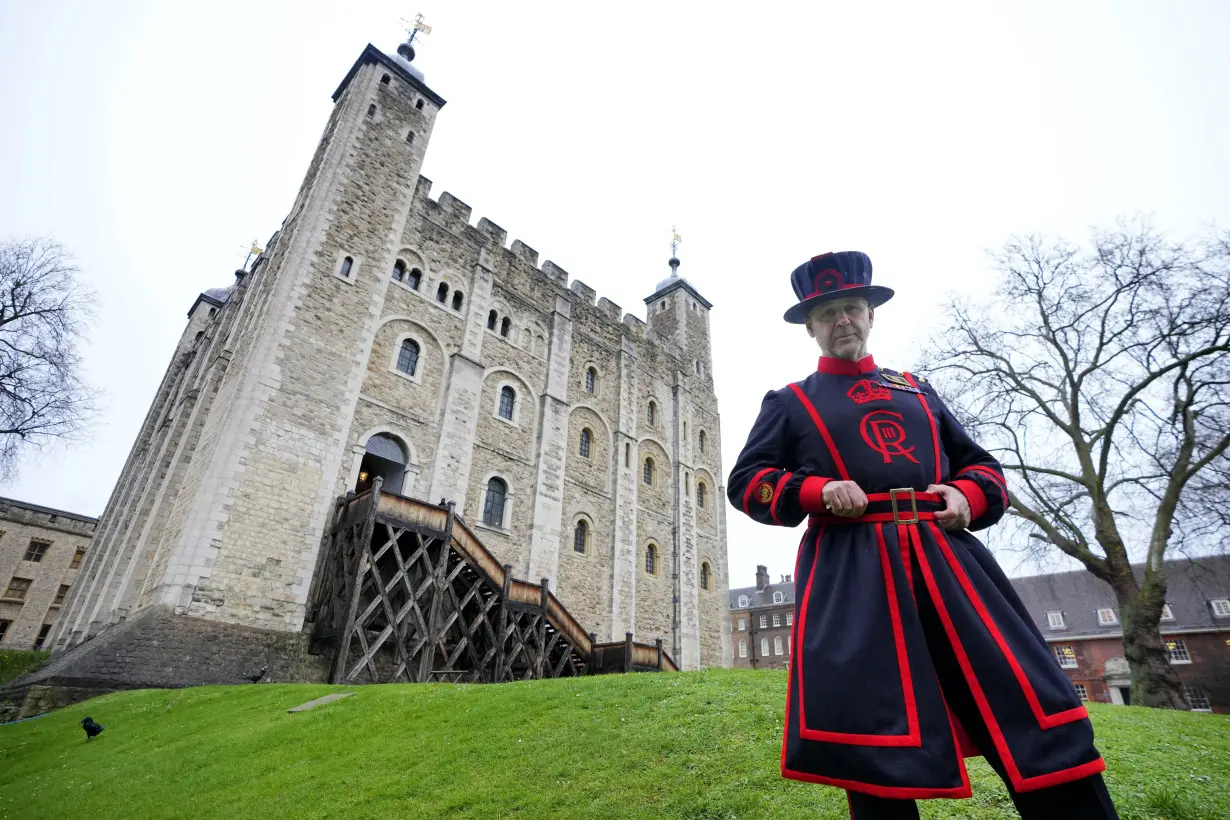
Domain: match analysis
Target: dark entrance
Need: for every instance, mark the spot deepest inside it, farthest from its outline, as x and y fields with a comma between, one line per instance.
x=385, y=457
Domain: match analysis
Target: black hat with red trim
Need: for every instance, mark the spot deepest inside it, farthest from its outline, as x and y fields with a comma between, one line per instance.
x=832, y=276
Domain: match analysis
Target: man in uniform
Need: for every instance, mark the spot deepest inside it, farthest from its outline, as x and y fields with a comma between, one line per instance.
x=912, y=651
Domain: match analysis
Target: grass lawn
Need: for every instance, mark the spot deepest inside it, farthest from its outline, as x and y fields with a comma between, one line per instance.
x=16, y=662
x=694, y=745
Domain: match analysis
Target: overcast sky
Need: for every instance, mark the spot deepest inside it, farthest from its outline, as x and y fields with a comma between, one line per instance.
x=157, y=139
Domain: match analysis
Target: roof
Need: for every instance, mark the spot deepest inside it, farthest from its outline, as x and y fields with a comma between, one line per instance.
x=758, y=598
x=371, y=54
x=675, y=283
x=1190, y=585
x=12, y=502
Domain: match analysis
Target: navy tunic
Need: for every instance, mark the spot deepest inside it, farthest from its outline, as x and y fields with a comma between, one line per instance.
x=864, y=709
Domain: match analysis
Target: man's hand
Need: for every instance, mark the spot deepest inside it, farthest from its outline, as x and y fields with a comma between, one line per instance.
x=847, y=499
x=956, y=513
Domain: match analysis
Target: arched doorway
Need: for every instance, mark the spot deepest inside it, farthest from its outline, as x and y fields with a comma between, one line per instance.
x=385, y=456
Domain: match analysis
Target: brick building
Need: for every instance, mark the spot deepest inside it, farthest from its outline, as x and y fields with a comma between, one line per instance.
x=382, y=333
x=1080, y=619
x=41, y=552
x=760, y=621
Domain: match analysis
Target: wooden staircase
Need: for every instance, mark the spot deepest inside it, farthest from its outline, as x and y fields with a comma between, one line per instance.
x=407, y=593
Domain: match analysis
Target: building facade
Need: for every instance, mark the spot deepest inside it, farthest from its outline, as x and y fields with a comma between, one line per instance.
x=761, y=618
x=41, y=554
x=381, y=333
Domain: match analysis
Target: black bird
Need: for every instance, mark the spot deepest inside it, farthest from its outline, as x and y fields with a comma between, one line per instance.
x=256, y=678
x=91, y=728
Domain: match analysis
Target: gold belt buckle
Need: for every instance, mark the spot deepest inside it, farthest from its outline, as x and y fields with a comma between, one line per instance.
x=892, y=498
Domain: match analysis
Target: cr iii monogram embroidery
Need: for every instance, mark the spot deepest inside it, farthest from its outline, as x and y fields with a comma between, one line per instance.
x=883, y=432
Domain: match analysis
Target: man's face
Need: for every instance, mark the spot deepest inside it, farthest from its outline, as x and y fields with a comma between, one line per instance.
x=841, y=327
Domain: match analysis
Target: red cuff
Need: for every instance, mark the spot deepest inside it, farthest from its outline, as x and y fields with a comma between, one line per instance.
x=973, y=493
x=811, y=494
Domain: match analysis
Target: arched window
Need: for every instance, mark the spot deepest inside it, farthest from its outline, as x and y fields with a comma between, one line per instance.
x=701, y=440
x=384, y=79
x=505, y=326
x=651, y=559
x=414, y=279
x=508, y=401
x=418, y=106
x=647, y=473
x=742, y=602
x=442, y=293
x=700, y=494
x=778, y=598
x=384, y=456
x=580, y=537
x=347, y=264
x=591, y=380
x=777, y=645
x=493, y=504
x=764, y=647
x=742, y=649
x=408, y=357
x=586, y=439
x=492, y=318
x=652, y=415
x=704, y=575
x=458, y=300
x=399, y=270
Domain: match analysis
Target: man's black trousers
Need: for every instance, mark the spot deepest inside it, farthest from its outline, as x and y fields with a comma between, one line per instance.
x=1084, y=799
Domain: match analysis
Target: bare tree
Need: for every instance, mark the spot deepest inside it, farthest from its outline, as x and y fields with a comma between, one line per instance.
x=43, y=309
x=1101, y=378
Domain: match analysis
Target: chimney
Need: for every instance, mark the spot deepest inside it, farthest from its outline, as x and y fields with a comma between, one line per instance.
x=762, y=577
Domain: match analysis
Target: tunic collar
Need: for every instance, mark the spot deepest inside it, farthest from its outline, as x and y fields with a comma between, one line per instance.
x=845, y=367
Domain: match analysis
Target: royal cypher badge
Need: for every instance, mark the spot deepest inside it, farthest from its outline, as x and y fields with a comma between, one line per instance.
x=764, y=492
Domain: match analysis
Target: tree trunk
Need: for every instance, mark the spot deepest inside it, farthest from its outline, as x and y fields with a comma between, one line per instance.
x=1154, y=682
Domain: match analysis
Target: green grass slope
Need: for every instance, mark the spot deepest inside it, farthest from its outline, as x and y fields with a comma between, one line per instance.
x=695, y=745
x=16, y=662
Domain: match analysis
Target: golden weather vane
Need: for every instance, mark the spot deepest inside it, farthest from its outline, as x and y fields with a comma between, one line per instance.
x=676, y=240
x=414, y=28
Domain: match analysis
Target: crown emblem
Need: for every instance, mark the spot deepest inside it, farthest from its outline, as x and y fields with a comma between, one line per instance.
x=868, y=390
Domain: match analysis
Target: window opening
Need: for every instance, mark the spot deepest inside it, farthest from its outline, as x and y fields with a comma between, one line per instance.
x=647, y=473
x=77, y=556
x=508, y=399
x=586, y=437
x=493, y=505
x=371, y=110
x=415, y=277
x=384, y=80
x=347, y=264
x=408, y=357
x=492, y=318
x=652, y=414
x=505, y=326
x=704, y=576
x=651, y=559
x=700, y=494
x=399, y=270
x=458, y=300
x=591, y=380
x=580, y=537
x=442, y=293
x=418, y=106
x=36, y=551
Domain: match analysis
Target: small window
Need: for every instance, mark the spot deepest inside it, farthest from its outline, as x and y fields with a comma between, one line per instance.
x=742, y=602
x=764, y=621
x=384, y=79
x=591, y=380
x=399, y=271
x=458, y=300
x=580, y=537
x=347, y=264
x=408, y=357
x=1197, y=697
x=505, y=326
x=1054, y=620
x=1167, y=614
x=701, y=440
x=371, y=110
x=1066, y=656
x=696, y=365
x=493, y=504
x=789, y=619
x=586, y=439
x=704, y=576
x=651, y=416
x=627, y=455
x=647, y=473
x=36, y=551
x=764, y=647
x=1178, y=650
x=17, y=589
x=60, y=595
x=777, y=646
x=1221, y=607
x=42, y=637
x=1107, y=617
x=442, y=293
x=77, y=558
x=4, y=629
x=779, y=597
x=742, y=624
x=492, y=319
x=700, y=494
x=418, y=106
x=1082, y=692
x=414, y=279
x=687, y=485
x=777, y=620
x=742, y=647
x=508, y=402
x=409, y=138
x=651, y=559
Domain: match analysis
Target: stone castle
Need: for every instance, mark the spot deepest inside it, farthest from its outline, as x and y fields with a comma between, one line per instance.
x=380, y=333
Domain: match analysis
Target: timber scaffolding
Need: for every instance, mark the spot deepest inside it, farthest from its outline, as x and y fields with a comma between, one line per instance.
x=409, y=594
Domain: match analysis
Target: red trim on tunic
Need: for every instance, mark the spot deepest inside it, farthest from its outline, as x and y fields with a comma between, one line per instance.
x=811, y=494
x=914, y=735
x=1021, y=784
x=747, y=494
x=974, y=495
x=846, y=367
x=987, y=471
x=824, y=431
x=935, y=435
x=777, y=496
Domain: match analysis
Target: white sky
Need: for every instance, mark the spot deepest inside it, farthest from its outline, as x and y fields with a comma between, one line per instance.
x=157, y=139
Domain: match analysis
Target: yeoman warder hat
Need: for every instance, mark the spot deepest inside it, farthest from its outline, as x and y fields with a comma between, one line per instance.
x=832, y=276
